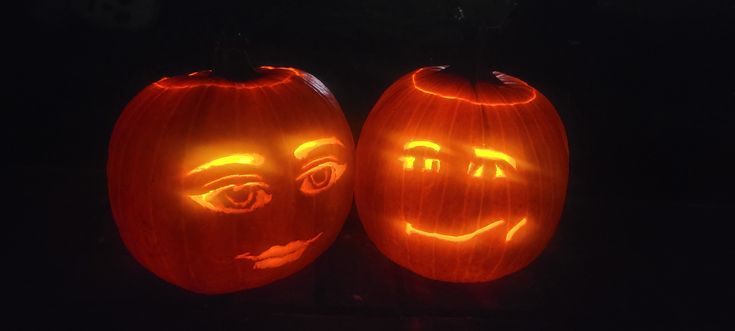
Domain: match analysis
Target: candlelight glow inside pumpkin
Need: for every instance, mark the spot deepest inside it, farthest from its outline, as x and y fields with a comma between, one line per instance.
x=461, y=181
x=218, y=185
x=473, y=169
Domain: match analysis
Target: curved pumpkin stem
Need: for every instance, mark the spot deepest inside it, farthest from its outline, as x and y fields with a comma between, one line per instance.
x=231, y=60
x=479, y=24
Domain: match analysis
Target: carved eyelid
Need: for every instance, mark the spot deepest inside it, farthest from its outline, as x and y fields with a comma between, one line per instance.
x=314, y=169
x=320, y=160
x=255, y=178
x=262, y=198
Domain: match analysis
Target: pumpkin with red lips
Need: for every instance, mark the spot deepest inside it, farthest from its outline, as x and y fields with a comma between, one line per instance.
x=219, y=185
x=461, y=181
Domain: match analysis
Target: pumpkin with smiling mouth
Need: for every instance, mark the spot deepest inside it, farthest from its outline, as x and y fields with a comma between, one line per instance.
x=203, y=170
x=461, y=181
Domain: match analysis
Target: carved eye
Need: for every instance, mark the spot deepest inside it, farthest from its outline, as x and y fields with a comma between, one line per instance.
x=428, y=164
x=322, y=173
x=234, y=194
x=502, y=162
x=478, y=170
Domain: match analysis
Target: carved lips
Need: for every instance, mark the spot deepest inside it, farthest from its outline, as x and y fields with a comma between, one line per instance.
x=278, y=255
x=410, y=229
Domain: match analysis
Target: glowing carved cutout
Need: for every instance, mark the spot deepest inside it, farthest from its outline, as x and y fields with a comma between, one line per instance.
x=513, y=230
x=233, y=194
x=221, y=199
x=421, y=143
x=251, y=159
x=321, y=172
x=456, y=238
x=474, y=170
x=278, y=255
x=491, y=154
x=499, y=173
x=429, y=164
x=303, y=150
x=407, y=162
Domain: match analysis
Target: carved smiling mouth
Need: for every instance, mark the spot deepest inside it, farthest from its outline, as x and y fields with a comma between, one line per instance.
x=410, y=229
x=278, y=255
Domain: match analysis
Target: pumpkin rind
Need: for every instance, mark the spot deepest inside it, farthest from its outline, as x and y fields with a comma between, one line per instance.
x=421, y=194
x=205, y=187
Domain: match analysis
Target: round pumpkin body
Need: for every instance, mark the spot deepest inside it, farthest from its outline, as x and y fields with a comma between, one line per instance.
x=218, y=186
x=459, y=181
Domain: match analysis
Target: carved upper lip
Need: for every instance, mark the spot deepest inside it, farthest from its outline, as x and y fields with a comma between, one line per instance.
x=410, y=229
x=278, y=255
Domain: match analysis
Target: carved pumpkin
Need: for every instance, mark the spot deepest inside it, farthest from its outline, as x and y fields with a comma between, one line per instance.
x=220, y=185
x=461, y=181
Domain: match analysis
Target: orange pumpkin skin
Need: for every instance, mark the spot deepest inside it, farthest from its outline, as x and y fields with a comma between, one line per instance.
x=461, y=182
x=218, y=186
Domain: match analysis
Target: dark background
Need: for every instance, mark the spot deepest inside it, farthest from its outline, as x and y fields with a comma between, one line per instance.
x=645, y=89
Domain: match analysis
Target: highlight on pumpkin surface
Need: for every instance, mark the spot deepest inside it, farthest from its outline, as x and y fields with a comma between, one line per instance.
x=418, y=87
x=410, y=229
x=278, y=255
x=321, y=172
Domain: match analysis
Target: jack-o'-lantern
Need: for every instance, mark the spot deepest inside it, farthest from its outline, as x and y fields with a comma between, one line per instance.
x=460, y=180
x=219, y=185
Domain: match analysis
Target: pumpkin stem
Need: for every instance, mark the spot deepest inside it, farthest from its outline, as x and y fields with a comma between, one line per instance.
x=231, y=60
x=479, y=24
x=471, y=62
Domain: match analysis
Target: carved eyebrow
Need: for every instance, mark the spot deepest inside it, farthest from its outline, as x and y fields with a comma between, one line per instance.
x=304, y=149
x=422, y=143
x=249, y=159
x=491, y=154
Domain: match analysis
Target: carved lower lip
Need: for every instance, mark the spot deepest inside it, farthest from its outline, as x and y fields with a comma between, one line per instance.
x=410, y=229
x=278, y=255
